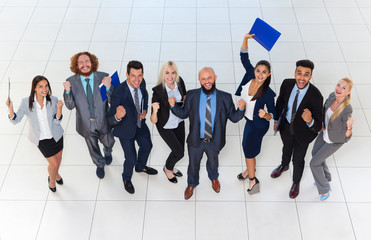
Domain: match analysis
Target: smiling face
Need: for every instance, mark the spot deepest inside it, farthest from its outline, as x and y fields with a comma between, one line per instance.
x=342, y=89
x=302, y=76
x=42, y=89
x=84, y=65
x=207, y=79
x=135, y=77
x=261, y=73
x=170, y=75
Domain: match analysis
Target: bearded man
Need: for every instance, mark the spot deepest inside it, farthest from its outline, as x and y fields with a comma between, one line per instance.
x=81, y=91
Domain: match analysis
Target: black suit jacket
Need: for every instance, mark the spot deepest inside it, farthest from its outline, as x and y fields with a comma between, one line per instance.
x=160, y=96
x=224, y=110
x=312, y=100
x=127, y=127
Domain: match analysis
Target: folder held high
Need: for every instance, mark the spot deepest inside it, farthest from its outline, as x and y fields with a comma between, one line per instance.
x=264, y=34
x=115, y=81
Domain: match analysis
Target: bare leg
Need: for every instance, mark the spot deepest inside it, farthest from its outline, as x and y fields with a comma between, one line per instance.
x=251, y=163
x=246, y=172
x=52, y=169
x=59, y=160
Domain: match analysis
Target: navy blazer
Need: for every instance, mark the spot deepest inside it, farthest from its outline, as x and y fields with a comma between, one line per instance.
x=224, y=110
x=121, y=95
x=160, y=96
x=312, y=100
x=266, y=100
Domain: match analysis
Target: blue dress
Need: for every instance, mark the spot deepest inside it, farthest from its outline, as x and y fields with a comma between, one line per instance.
x=255, y=129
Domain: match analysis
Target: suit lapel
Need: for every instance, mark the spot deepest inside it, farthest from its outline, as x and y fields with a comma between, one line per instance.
x=81, y=88
x=96, y=92
x=128, y=93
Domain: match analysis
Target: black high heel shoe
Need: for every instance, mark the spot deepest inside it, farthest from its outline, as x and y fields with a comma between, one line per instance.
x=173, y=180
x=241, y=178
x=60, y=181
x=54, y=189
x=255, y=188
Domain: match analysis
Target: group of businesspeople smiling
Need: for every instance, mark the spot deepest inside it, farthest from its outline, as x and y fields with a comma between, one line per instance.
x=298, y=114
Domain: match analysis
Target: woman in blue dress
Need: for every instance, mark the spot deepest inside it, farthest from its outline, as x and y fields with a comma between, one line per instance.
x=254, y=89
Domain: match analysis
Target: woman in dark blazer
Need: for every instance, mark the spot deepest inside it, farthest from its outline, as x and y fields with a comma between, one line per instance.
x=44, y=114
x=170, y=127
x=336, y=130
x=254, y=89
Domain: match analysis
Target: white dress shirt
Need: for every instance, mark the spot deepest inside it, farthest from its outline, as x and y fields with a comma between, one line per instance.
x=42, y=116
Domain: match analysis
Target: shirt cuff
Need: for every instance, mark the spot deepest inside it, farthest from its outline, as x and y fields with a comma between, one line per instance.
x=67, y=93
x=244, y=50
x=310, y=124
x=118, y=120
x=55, y=116
x=108, y=88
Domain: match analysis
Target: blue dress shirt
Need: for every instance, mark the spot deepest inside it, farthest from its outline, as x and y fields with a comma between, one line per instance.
x=202, y=111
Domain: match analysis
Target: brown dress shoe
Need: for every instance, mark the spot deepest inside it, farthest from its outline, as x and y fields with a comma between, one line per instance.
x=294, y=191
x=277, y=172
x=188, y=192
x=216, y=185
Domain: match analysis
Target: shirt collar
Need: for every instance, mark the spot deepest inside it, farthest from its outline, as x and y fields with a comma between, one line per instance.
x=303, y=90
x=90, y=77
x=37, y=103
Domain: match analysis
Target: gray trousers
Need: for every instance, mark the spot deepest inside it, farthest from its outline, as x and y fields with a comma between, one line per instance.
x=321, y=151
x=92, y=141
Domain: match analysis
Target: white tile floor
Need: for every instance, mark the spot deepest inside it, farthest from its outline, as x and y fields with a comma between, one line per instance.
x=39, y=37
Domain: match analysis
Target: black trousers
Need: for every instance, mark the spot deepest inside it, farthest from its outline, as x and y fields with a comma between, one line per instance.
x=174, y=138
x=292, y=147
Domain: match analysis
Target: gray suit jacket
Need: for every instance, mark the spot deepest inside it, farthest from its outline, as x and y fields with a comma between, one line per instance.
x=337, y=128
x=33, y=121
x=77, y=98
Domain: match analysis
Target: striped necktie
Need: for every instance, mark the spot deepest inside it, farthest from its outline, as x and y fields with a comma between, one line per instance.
x=136, y=96
x=208, y=125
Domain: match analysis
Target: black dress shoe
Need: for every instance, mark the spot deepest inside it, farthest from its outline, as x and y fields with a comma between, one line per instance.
x=129, y=187
x=108, y=159
x=54, y=189
x=148, y=170
x=294, y=191
x=173, y=180
x=279, y=170
x=60, y=181
x=178, y=173
x=240, y=177
x=100, y=172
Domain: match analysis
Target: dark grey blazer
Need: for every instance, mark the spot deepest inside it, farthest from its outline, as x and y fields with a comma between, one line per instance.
x=337, y=128
x=77, y=98
x=34, y=128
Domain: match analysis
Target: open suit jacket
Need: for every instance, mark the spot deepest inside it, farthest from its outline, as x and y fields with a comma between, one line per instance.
x=77, y=98
x=337, y=128
x=224, y=110
x=312, y=100
x=33, y=121
x=126, y=128
x=267, y=98
x=160, y=96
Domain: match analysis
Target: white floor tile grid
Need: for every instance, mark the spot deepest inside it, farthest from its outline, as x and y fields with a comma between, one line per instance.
x=205, y=201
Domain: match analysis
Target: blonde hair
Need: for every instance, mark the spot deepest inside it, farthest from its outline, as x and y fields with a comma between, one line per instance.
x=346, y=101
x=164, y=67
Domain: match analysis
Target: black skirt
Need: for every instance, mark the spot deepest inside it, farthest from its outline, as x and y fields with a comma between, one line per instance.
x=49, y=147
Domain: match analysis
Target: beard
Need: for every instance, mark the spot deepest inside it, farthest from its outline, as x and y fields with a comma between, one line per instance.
x=210, y=91
x=86, y=74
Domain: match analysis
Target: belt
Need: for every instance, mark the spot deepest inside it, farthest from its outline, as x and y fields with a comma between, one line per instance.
x=207, y=140
x=92, y=119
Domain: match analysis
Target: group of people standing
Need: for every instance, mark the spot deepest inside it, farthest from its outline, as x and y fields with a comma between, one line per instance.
x=298, y=115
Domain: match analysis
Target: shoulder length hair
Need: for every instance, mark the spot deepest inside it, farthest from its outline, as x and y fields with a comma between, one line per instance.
x=93, y=59
x=264, y=87
x=161, y=75
x=346, y=101
x=34, y=83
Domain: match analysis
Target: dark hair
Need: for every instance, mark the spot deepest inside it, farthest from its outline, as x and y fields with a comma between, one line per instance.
x=35, y=81
x=264, y=87
x=305, y=63
x=93, y=59
x=134, y=64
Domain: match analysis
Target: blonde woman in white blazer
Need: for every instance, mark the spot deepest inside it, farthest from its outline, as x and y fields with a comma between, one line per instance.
x=336, y=130
x=44, y=114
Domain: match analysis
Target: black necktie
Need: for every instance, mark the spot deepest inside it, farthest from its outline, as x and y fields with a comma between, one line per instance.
x=89, y=96
x=136, y=96
x=293, y=112
x=208, y=126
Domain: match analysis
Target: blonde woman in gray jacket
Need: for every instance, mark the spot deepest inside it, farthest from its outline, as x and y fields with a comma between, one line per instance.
x=336, y=130
x=44, y=114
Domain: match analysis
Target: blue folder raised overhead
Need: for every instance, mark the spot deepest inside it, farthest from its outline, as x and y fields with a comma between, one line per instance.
x=115, y=81
x=264, y=34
